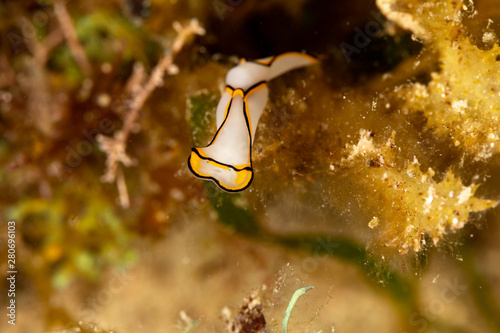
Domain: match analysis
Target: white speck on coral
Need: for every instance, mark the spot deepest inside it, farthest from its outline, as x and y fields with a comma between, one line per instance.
x=421, y=91
x=409, y=228
x=489, y=37
x=464, y=195
x=485, y=153
x=374, y=222
x=430, y=197
x=459, y=106
x=364, y=146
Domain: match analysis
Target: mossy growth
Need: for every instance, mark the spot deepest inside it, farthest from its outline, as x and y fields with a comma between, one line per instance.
x=385, y=164
x=462, y=99
x=407, y=203
x=72, y=241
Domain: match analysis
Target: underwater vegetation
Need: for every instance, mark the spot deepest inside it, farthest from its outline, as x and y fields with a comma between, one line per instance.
x=376, y=170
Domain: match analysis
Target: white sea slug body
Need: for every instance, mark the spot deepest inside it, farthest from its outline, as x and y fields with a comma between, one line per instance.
x=227, y=160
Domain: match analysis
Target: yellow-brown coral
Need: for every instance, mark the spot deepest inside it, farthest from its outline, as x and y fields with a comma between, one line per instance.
x=462, y=100
x=406, y=202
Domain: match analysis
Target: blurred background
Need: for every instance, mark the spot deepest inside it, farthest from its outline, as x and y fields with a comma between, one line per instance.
x=101, y=101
